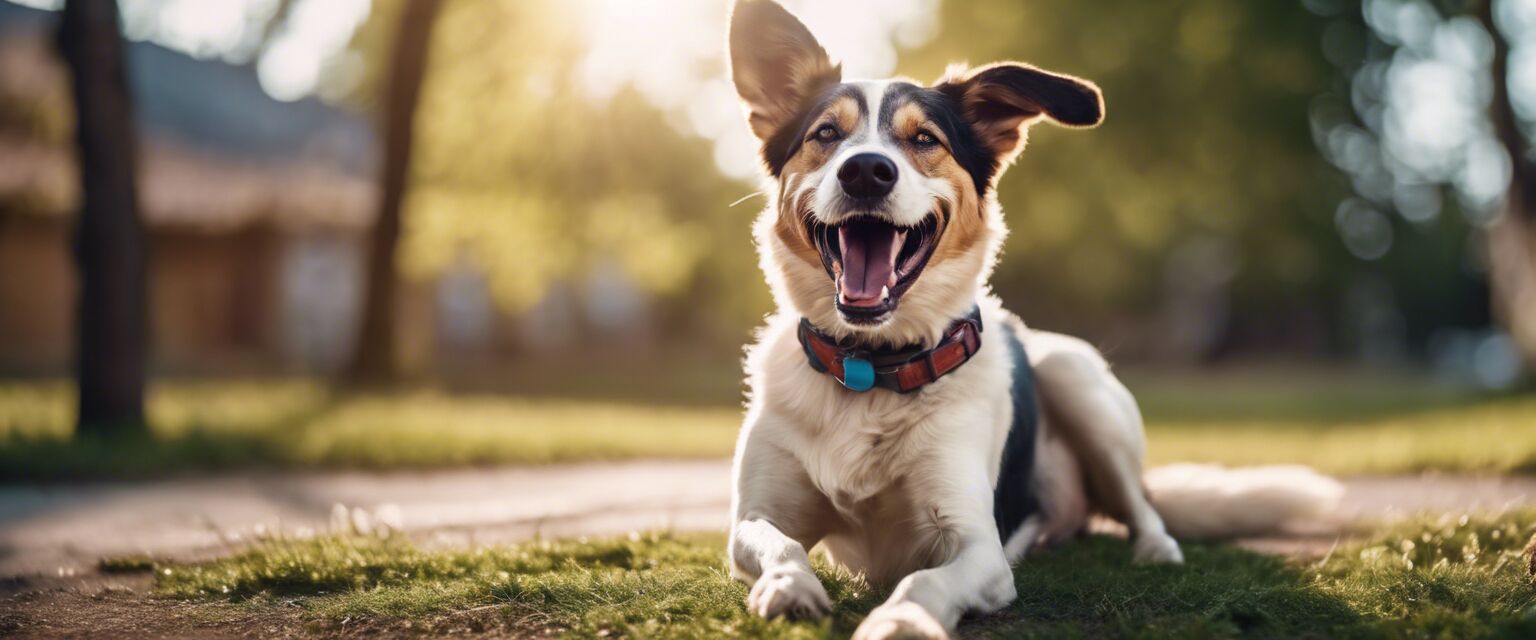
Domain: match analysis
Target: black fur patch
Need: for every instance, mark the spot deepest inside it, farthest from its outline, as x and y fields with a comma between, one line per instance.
x=1065, y=100
x=1014, y=497
x=945, y=112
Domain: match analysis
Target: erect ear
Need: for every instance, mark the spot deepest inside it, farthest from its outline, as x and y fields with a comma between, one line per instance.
x=776, y=64
x=1000, y=100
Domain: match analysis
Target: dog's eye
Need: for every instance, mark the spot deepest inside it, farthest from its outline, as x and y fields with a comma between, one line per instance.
x=924, y=139
x=827, y=133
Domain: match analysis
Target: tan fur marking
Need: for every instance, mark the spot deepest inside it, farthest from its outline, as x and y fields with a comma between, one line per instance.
x=966, y=225
x=794, y=210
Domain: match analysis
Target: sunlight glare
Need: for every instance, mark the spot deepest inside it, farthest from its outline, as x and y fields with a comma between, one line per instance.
x=314, y=34
x=202, y=29
x=673, y=53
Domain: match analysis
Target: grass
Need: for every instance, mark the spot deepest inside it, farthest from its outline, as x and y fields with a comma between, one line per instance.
x=1345, y=423
x=1495, y=436
x=1448, y=577
x=222, y=425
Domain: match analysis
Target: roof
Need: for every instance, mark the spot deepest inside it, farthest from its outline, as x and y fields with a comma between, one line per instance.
x=216, y=151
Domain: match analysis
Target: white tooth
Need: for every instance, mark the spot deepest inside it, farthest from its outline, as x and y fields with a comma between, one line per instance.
x=885, y=292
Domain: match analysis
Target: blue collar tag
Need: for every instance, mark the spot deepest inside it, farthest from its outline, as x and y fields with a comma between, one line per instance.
x=858, y=374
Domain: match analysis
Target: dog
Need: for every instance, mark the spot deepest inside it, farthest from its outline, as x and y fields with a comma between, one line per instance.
x=898, y=416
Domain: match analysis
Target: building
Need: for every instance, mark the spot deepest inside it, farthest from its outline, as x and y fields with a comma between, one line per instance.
x=256, y=212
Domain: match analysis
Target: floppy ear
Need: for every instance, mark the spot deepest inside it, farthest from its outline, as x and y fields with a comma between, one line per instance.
x=776, y=64
x=1001, y=99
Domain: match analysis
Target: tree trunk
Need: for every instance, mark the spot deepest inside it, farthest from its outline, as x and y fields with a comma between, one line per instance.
x=373, y=361
x=1512, y=235
x=109, y=236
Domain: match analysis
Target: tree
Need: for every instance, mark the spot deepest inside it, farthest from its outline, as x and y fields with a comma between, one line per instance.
x=110, y=245
x=1512, y=235
x=1427, y=126
x=374, y=359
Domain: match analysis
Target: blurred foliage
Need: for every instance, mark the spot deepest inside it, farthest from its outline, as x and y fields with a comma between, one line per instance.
x=521, y=172
x=1432, y=269
x=1205, y=143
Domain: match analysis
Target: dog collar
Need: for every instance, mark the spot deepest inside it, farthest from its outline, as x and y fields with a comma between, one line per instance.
x=902, y=371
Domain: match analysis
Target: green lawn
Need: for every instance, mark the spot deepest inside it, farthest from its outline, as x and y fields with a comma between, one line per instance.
x=1449, y=577
x=1496, y=436
x=224, y=425
x=1340, y=424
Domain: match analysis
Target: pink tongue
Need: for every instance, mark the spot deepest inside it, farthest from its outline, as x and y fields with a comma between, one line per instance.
x=869, y=261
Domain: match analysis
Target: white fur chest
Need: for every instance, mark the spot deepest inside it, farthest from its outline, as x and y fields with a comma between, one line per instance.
x=867, y=443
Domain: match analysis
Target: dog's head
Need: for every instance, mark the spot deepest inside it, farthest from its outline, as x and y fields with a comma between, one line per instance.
x=883, y=222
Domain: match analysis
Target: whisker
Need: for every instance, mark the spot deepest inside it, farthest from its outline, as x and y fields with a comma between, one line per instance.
x=746, y=198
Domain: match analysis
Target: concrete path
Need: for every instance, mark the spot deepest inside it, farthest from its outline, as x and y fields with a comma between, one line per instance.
x=64, y=529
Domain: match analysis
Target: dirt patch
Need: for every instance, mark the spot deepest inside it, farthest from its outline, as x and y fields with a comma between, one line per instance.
x=100, y=606
x=119, y=606
x=94, y=610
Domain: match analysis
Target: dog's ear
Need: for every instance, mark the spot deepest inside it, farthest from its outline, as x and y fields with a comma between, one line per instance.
x=1000, y=100
x=776, y=64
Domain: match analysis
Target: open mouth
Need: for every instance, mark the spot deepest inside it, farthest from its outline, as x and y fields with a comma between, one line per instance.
x=873, y=262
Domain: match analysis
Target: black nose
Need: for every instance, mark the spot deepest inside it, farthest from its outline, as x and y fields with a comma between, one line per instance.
x=867, y=176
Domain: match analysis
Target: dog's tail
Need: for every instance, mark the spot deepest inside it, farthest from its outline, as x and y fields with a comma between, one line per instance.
x=1210, y=501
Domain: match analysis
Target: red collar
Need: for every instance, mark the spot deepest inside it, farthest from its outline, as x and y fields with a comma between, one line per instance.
x=902, y=371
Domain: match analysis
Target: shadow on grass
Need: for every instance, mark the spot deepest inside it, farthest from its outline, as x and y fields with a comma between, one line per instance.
x=1442, y=578
x=1091, y=589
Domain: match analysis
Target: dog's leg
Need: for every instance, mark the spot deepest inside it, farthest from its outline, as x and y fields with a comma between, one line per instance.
x=1099, y=417
x=777, y=515
x=929, y=603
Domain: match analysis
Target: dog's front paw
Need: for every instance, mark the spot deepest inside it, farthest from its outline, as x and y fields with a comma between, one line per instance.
x=905, y=620
x=1156, y=549
x=788, y=591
